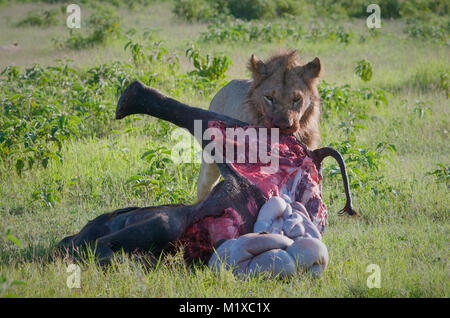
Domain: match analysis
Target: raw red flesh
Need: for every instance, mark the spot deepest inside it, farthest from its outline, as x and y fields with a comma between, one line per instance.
x=200, y=237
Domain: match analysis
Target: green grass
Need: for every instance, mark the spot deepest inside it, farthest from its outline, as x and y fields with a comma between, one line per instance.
x=404, y=227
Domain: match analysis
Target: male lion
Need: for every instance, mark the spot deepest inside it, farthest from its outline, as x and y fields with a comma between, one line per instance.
x=282, y=93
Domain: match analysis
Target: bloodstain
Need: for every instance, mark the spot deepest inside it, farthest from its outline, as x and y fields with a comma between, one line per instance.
x=199, y=238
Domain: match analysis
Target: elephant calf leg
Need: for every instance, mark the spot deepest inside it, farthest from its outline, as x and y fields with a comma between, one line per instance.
x=152, y=235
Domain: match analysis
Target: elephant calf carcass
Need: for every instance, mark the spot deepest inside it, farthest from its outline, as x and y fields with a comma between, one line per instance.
x=231, y=209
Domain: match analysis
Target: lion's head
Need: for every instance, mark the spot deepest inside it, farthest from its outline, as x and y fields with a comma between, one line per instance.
x=284, y=94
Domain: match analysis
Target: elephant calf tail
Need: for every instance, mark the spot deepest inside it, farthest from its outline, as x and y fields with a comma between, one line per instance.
x=319, y=155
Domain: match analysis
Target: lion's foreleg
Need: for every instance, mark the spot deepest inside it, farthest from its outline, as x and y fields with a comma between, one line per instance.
x=208, y=176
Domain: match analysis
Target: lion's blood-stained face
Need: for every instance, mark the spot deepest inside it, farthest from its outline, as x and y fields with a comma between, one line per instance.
x=284, y=95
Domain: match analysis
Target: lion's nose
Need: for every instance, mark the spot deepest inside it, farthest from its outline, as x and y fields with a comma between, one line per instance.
x=283, y=124
x=283, y=127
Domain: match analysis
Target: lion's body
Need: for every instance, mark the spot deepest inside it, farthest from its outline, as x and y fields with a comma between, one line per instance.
x=293, y=106
x=230, y=100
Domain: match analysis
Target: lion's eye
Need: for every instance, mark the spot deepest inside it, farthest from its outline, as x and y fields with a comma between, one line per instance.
x=268, y=98
x=296, y=100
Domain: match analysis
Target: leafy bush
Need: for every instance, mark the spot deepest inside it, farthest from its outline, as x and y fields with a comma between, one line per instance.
x=349, y=106
x=42, y=18
x=443, y=82
x=43, y=107
x=257, y=9
x=211, y=67
x=238, y=30
x=252, y=9
x=143, y=54
x=201, y=10
x=208, y=10
x=418, y=8
x=158, y=180
x=287, y=7
x=116, y=3
x=442, y=174
x=32, y=128
x=389, y=8
x=362, y=161
x=364, y=70
x=421, y=110
x=103, y=23
x=158, y=161
x=48, y=194
x=435, y=30
x=336, y=99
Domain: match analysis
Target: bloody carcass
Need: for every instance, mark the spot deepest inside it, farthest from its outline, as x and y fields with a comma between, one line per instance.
x=232, y=207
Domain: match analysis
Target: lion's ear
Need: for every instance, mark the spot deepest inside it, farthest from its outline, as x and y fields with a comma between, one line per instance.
x=311, y=70
x=257, y=67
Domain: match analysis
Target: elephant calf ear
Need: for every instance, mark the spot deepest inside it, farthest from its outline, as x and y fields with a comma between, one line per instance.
x=257, y=68
x=311, y=70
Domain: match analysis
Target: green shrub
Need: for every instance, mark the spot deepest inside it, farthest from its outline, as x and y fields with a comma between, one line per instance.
x=116, y=3
x=201, y=10
x=260, y=9
x=434, y=30
x=33, y=125
x=42, y=18
x=252, y=9
x=419, y=8
x=364, y=70
x=211, y=67
x=442, y=174
x=103, y=23
x=241, y=31
x=208, y=10
x=389, y=8
x=337, y=99
x=44, y=107
x=144, y=54
x=443, y=82
x=287, y=7
x=350, y=107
